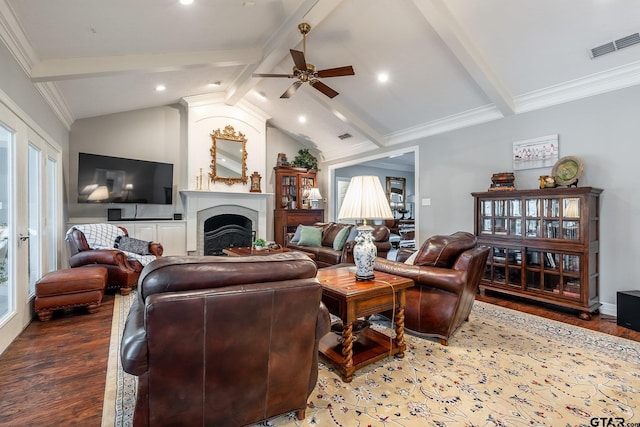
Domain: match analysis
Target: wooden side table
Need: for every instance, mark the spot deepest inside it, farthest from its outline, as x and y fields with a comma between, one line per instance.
x=350, y=299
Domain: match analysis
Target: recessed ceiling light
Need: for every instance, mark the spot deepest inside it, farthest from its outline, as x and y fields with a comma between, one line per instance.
x=214, y=84
x=261, y=95
x=302, y=119
x=383, y=77
x=185, y=2
x=160, y=88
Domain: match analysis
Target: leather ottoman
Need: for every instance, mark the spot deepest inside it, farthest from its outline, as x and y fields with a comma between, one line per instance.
x=70, y=287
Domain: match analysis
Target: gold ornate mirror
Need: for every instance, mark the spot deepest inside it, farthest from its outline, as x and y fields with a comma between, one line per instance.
x=396, y=193
x=228, y=156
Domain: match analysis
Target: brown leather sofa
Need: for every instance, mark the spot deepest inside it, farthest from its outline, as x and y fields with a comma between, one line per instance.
x=447, y=272
x=326, y=255
x=123, y=273
x=224, y=341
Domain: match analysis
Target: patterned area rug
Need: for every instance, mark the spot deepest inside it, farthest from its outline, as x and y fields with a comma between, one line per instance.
x=502, y=368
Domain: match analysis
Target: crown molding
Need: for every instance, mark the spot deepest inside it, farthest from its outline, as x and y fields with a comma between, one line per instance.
x=15, y=40
x=17, y=43
x=595, y=84
x=57, y=103
x=472, y=117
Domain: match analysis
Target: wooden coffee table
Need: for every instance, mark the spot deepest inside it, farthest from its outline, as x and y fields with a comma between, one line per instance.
x=350, y=299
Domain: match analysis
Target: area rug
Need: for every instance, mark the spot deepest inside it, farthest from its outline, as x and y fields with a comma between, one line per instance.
x=502, y=368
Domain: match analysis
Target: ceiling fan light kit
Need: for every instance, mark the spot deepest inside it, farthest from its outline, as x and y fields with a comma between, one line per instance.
x=307, y=73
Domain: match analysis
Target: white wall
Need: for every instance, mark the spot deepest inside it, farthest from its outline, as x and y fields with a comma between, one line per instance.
x=161, y=134
x=152, y=134
x=604, y=131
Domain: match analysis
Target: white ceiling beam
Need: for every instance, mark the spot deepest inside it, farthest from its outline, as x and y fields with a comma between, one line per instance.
x=471, y=58
x=74, y=68
x=286, y=37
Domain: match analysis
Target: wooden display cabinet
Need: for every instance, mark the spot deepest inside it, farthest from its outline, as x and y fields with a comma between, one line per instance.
x=291, y=209
x=545, y=244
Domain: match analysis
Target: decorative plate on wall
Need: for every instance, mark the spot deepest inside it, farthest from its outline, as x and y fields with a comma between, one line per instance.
x=567, y=170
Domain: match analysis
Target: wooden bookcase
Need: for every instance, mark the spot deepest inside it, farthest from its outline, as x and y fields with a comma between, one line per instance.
x=291, y=208
x=545, y=244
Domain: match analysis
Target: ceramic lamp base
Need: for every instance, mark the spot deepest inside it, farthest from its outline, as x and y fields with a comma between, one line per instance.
x=364, y=254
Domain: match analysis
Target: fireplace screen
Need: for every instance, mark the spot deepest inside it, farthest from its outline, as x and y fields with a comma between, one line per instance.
x=227, y=231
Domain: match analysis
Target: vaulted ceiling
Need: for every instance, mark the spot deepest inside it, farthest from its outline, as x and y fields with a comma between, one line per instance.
x=450, y=63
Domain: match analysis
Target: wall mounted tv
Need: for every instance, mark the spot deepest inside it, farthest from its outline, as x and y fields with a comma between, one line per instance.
x=105, y=179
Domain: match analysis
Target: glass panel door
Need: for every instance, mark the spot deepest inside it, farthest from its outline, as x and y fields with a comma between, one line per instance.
x=51, y=218
x=28, y=219
x=6, y=288
x=34, y=215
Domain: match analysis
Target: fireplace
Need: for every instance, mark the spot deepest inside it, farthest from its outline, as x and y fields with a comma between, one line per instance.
x=201, y=205
x=227, y=231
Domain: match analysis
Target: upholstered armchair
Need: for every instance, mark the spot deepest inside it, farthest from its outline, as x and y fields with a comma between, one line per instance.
x=95, y=244
x=447, y=272
x=224, y=341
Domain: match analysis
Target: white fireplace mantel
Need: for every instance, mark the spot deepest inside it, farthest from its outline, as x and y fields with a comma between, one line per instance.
x=197, y=200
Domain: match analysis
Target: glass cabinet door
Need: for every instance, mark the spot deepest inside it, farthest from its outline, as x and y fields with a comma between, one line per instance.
x=532, y=222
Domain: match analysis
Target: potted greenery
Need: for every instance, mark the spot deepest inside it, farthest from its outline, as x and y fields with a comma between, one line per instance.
x=259, y=243
x=305, y=159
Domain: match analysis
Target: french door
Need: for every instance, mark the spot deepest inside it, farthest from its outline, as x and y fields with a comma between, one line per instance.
x=30, y=226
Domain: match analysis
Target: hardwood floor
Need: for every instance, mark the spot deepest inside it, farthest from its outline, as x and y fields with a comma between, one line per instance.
x=54, y=373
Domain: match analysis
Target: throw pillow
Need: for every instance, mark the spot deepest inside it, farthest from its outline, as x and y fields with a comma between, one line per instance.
x=129, y=244
x=411, y=258
x=352, y=234
x=296, y=235
x=310, y=236
x=340, y=239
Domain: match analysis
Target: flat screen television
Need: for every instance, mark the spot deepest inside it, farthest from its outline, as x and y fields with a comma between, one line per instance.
x=106, y=179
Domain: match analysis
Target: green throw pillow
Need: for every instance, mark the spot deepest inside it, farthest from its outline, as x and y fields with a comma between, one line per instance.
x=310, y=236
x=341, y=239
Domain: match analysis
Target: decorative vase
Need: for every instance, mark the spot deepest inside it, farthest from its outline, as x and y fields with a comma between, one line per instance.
x=364, y=253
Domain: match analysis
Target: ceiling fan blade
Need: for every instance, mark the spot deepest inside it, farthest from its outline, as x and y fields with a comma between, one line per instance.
x=337, y=72
x=298, y=59
x=324, y=88
x=292, y=89
x=271, y=75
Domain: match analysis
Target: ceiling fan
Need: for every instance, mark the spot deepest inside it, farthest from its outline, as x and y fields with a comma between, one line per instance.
x=306, y=72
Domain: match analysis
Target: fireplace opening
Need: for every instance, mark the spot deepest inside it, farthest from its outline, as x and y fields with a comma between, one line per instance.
x=227, y=231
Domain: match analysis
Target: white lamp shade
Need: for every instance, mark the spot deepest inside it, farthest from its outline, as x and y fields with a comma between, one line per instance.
x=365, y=199
x=314, y=194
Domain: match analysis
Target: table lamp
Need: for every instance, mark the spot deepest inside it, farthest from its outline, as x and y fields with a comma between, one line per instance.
x=365, y=199
x=315, y=196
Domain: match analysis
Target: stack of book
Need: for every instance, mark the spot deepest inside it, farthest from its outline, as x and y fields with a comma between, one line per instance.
x=502, y=181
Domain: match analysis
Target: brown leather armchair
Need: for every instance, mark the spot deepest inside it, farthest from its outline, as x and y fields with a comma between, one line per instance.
x=224, y=341
x=123, y=273
x=447, y=272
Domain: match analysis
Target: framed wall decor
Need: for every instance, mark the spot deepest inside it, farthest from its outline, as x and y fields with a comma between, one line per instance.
x=535, y=153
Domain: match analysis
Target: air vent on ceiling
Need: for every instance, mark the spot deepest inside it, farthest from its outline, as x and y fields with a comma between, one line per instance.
x=627, y=41
x=345, y=136
x=621, y=43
